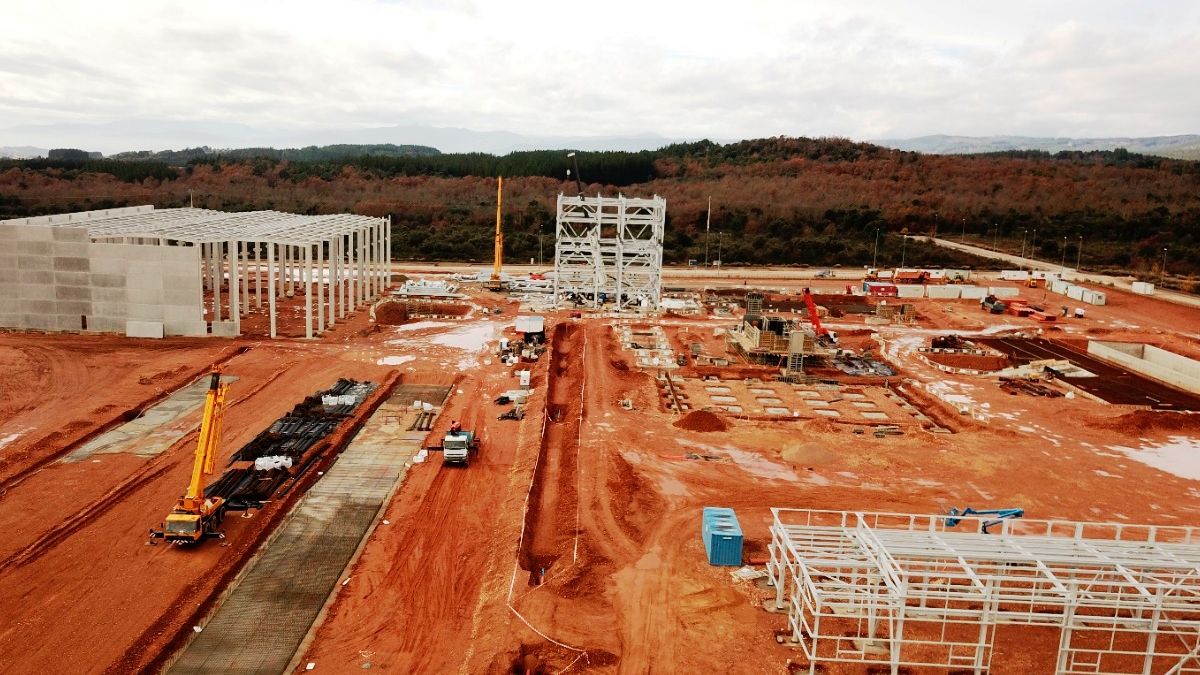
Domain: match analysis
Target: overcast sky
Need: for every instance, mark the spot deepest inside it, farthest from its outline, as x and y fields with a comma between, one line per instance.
x=687, y=69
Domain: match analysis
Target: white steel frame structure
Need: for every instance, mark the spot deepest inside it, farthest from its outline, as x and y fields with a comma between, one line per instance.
x=338, y=262
x=610, y=248
x=903, y=591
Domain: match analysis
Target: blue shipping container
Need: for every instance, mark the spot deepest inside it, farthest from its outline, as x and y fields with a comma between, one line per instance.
x=722, y=536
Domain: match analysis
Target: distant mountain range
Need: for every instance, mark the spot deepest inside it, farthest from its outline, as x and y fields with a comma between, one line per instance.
x=1180, y=147
x=157, y=135
x=132, y=136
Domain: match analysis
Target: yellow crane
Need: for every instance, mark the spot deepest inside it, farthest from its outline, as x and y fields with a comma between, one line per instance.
x=196, y=517
x=495, y=283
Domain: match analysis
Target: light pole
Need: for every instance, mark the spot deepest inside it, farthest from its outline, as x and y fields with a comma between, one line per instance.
x=707, y=224
x=1079, y=253
x=903, y=250
x=875, y=255
x=964, y=237
x=935, y=223
x=996, y=236
x=1023, y=249
x=1033, y=245
x=1063, y=266
x=1162, y=271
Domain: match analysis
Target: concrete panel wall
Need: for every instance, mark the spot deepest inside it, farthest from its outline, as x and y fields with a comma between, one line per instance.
x=944, y=292
x=1169, y=367
x=910, y=290
x=973, y=292
x=55, y=278
x=1004, y=291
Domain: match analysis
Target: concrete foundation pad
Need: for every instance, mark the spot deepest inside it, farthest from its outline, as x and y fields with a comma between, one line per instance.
x=144, y=329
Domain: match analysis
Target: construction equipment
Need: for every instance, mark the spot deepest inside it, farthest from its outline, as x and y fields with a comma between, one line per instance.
x=993, y=304
x=955, y=516
x=196, y=517
x=495, y=283
x=516, y=413
x=457, y=447
x=824, y=336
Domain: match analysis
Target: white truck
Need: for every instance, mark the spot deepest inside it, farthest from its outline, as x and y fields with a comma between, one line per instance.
x=457, y=447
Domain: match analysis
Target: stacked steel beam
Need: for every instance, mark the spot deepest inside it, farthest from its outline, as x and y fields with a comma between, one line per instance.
x=295, y=439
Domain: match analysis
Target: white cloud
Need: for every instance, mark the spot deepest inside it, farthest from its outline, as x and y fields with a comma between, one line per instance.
x=721, y=70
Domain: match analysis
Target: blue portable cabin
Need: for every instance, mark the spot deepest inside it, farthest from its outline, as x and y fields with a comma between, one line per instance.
x=722, y=536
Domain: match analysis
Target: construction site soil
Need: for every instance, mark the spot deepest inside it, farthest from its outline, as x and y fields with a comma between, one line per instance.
x=572, y=543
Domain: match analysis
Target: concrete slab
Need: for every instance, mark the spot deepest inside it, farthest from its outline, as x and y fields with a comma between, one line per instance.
x=874, y=415
x=828, y=413
x=155, y=430
x=320, y=537
x=144, y=329
x=224, y=329
x=186, y=328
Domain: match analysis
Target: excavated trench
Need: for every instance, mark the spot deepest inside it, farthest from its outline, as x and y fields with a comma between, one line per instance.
x=550, y=520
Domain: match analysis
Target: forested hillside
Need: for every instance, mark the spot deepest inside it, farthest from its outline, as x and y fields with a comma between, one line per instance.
x=779, y=200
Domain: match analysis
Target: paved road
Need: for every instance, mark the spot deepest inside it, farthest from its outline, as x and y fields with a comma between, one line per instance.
x=1068, y=273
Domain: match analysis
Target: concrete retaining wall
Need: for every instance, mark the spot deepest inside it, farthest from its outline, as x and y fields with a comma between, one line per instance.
x=910, y=291
x=973, y=292
x=944, y=292
x=1160, y=364
x=55, y=278
x=1004, y=291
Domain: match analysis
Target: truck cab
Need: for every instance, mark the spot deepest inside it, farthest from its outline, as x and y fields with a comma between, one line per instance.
x=457, y=447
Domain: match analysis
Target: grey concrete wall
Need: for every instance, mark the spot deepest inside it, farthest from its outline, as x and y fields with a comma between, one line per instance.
x=51, y=278
x=1169, y=367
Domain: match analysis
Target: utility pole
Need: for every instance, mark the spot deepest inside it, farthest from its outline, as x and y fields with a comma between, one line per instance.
x=875, y=255
x=707, y=225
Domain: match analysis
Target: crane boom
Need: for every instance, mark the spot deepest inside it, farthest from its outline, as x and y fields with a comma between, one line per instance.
x=822, y=333
x=195, y=515
x=499, y=264
x=210, y=436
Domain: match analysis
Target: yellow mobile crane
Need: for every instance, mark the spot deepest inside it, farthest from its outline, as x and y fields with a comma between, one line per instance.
x=495, y=284
x=196, y=517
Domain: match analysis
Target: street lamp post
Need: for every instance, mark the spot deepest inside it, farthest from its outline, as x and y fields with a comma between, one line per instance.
x=1162, y=271
x=875, y=255
x=1079, y=253
x=996, y=236
x=1033, y=245
x=964, y=237
x=903, y=250
x=1023, y=248
x=1063, y=266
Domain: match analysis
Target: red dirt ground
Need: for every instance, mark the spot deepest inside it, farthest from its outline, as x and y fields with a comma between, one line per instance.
x=575, y=537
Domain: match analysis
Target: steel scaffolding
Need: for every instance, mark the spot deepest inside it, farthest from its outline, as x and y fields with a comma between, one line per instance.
x=904, y=591
x=609, y=249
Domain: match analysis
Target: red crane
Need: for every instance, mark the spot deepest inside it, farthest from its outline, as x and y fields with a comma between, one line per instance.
x=823, y=334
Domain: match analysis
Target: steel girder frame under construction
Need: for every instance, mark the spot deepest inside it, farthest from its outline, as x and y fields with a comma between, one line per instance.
x=610, y=249
x=902, y=591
